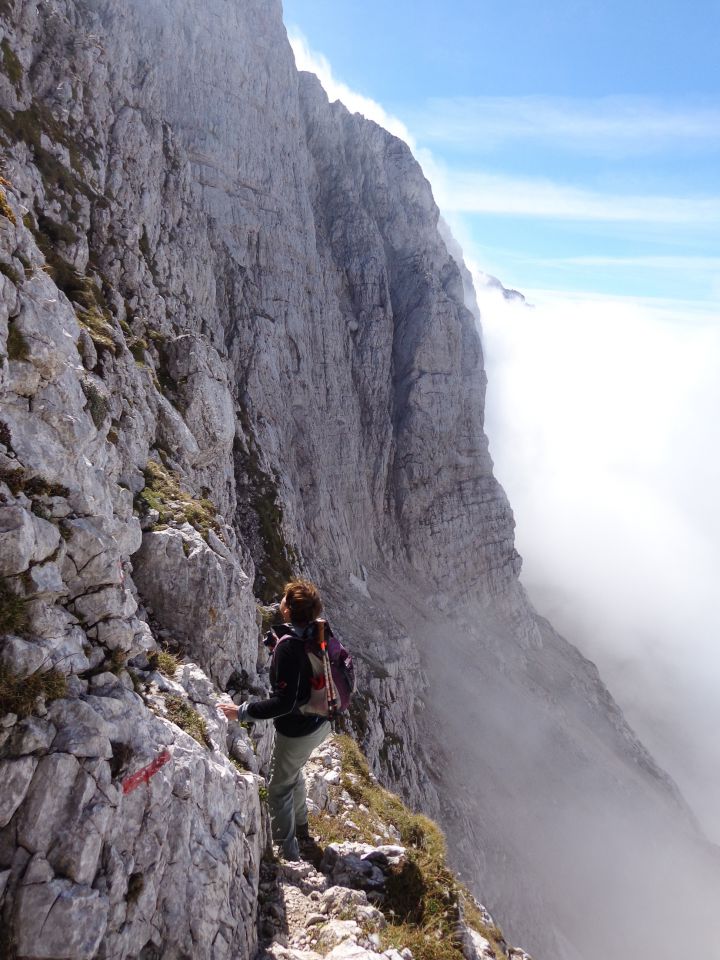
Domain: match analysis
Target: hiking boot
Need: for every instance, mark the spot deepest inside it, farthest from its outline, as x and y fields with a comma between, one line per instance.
x=302, y=832
x=290, y=850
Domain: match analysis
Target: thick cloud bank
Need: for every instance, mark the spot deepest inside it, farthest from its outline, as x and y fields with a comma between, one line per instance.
x=602, y=418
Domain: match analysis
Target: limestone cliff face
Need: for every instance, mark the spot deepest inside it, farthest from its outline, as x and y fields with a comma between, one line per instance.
x=235, y=345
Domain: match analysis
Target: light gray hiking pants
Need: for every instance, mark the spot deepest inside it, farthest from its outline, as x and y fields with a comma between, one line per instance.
x=286, y=787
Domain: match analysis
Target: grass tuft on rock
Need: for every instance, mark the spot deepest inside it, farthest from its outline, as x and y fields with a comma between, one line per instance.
x=97, y=324
x=13, y=612
x=188, y=719
x=162, y=492
x=18, y=695
x=19, y=482
x=164, y=662
x=41, y=487
x=14, y=477
x=5, y=209
x=116, y=662
x=240, y=767
x=6, y=269
x=417, y=831
x=137, y=347
x=11, y=66
x=97, y=403
x=424, y=902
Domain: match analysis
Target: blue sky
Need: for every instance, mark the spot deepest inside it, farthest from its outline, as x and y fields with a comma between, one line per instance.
x=573, y=145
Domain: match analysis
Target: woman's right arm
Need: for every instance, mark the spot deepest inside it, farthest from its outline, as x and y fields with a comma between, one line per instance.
x=286, y=688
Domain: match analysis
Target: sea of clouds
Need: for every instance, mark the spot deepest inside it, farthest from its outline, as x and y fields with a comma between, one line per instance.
x=602, y=415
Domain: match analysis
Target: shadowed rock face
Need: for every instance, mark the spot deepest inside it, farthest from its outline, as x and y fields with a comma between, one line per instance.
x=234, y=344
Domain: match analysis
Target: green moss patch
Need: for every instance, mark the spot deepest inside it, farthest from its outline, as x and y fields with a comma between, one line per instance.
x=162, y=492
x=184, y=716
x=19, y=694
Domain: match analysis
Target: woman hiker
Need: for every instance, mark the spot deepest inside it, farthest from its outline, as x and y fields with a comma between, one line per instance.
x=296, y=734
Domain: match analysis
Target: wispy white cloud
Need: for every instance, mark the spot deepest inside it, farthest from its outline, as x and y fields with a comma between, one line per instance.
x=475, y=191
x=605, y=125
x=653, y=309
x=314, y=62
x=684, y=263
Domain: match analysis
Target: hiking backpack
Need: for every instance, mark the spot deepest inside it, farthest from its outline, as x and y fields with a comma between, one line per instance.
x=333, y=680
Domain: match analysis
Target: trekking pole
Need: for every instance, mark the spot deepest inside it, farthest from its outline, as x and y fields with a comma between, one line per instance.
x=329, y=685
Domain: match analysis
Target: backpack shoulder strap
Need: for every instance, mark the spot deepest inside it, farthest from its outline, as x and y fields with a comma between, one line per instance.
x=283, y=636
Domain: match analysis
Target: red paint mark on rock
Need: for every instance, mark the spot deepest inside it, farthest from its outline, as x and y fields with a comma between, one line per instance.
x=143, y=776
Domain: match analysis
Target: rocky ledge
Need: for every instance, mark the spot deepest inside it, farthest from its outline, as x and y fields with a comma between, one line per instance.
x=384, y=894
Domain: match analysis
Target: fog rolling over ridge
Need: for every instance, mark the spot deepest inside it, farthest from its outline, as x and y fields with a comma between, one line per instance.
x=601, y=417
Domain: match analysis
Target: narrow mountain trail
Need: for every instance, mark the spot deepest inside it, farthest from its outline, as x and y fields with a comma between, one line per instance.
x=343, y=901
